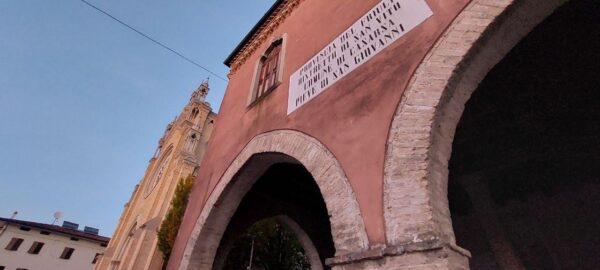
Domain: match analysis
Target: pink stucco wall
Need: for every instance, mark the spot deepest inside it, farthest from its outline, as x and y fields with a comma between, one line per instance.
x=351, y=118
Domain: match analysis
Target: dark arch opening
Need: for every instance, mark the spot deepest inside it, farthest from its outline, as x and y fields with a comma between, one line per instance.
x=524, y=184
x=285, y=189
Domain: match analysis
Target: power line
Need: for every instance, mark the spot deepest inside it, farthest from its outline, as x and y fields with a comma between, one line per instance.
x=153, y=40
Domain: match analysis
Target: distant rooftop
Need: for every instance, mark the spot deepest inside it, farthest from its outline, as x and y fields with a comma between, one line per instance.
x=57, y=229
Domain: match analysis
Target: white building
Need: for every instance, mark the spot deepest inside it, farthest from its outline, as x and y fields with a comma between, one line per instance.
x=28, y=245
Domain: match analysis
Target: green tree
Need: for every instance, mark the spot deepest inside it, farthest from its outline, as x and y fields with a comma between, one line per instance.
x=170, y=225
x=273, y=247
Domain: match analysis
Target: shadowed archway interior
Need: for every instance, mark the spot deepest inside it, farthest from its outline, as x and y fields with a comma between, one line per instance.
x=285, y=189
x=524, y=186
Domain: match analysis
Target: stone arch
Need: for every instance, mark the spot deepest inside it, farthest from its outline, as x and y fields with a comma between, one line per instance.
x=421, y=134
x=347, y=227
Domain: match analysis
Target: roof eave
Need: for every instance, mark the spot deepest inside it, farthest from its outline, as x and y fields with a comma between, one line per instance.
x=252, y=32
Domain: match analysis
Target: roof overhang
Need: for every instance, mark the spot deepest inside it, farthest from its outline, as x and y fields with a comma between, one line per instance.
x=252, y=32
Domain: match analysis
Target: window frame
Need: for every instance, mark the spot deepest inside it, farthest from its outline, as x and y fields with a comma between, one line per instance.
x=268, y=69
x=14, y=244
x=67, y=253
x=36, y=247
x=125, y=244
x=158, y=172
x=96, y=258
x=194, y=114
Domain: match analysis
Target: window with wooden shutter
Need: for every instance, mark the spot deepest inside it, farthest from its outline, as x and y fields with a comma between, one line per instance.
x=268, y=71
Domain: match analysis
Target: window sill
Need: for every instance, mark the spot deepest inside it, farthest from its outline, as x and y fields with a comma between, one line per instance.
x=263, y=96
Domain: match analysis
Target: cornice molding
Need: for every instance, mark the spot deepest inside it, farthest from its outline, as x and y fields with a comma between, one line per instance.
x=263, y=33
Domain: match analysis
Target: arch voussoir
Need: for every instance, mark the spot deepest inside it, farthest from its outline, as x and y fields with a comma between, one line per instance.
x=421, y=134
x=347, y=226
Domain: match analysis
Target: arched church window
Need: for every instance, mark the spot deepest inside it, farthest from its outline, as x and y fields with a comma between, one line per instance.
x=122, y=250
x=269, y=71
x=194, y=114
x=159, y=171
x=157, y=152
x=191, y=142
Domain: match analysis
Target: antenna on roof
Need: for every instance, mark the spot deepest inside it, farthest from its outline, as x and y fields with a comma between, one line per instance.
x=57, y=215
x=14, y=215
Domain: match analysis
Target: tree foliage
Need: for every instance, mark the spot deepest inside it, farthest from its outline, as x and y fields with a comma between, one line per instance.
x=170, y=225
x=273, y=247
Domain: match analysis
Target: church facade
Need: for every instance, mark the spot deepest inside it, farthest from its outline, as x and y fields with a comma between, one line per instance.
x=179, y=151
x=408, y=134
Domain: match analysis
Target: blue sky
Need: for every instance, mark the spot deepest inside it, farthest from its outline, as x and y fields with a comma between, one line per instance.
x=84, y=100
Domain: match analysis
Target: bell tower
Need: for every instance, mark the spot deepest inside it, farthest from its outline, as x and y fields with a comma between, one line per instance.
x=200, y=94
x=196, y=117
x=178, y=154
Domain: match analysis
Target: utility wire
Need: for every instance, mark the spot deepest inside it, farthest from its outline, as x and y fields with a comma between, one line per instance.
x=153, y=40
